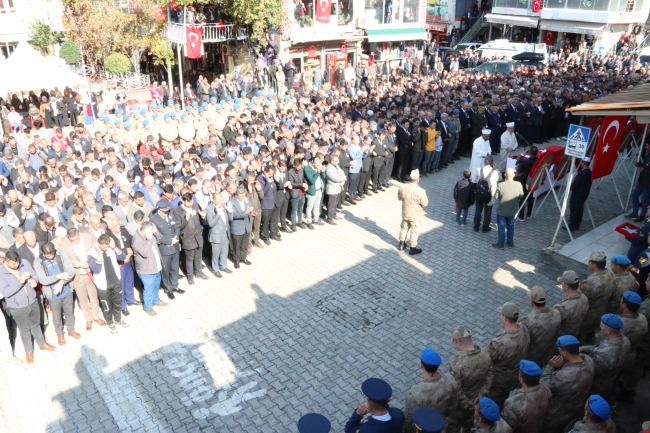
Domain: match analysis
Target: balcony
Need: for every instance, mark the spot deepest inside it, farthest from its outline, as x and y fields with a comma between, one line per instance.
x=211, y=33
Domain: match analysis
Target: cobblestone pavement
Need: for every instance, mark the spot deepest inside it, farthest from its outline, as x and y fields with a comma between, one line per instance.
x=296, y=332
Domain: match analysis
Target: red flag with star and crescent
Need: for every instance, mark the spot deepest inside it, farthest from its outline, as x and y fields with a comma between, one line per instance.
x=607, y=146
x=193, y=44
x=323, y=11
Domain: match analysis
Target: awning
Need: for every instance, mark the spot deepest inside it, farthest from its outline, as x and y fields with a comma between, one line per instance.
x=309, y=36
x=436, y=27
x=577, y=27
x=512, y=20
x=629, y=102
x=392, y=35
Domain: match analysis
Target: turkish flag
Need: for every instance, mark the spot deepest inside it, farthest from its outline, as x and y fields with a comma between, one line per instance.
x=536, y=5
x=173, y=5
x=344, y=48
x=549, y=37
x=193, y=41
x=159, y=13
x=607, y=146
x=323, y=10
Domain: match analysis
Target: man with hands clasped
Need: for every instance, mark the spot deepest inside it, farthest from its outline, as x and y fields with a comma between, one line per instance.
x=103, y=260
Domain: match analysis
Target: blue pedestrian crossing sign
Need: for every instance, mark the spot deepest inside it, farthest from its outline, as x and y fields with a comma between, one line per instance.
x=577, y=141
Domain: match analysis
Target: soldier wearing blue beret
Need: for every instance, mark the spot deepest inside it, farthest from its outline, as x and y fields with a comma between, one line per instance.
x=597, y=416
x=609, y=356
x=487, y=413
x=525, y=409
x=624, y=280
x=383, y=418
x=314, y=423
x=635, y=327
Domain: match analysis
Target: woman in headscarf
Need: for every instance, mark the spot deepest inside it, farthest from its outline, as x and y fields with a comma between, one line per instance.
x=35, y=114
x=46, y=113
x=63, y=112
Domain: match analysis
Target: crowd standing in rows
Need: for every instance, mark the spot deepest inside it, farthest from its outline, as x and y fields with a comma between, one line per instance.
x=107, y=215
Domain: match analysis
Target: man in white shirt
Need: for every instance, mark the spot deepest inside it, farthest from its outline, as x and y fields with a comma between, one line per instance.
x=508, y=145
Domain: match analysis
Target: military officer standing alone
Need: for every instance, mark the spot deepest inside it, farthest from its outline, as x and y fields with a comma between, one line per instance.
x=525, y=409
x=383, y=418
x=168, y=246
x=543, y=324
x=437, y=391
x=472, y=369
x=413, y=199
x=506, y=350
x=569, y=377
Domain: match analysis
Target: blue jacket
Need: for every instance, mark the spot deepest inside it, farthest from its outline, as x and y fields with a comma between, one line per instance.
x=11, y=288
x=581, y=185
x=494, y=120
x=530, y=108
x=372, y=425
x=357, y=156
x=270, y=188
x=147, y=196
x=4, y=171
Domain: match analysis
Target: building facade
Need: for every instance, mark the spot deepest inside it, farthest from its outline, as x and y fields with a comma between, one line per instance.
x=17, y=15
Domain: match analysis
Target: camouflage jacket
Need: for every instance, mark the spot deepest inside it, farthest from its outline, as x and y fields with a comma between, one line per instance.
x=439, y=392
x=608, y=357
x=622, y=283
x=473, y=372
x=598, y=289
x=525, y=409
x=506, y=350
x=570, y=386
x=573, y=310
x=543, y=326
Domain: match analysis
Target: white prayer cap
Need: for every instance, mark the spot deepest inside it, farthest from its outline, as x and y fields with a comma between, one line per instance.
x=511, y=91
x=586, y=159
x=510, y=124
x=486, y=132
x=60, y=232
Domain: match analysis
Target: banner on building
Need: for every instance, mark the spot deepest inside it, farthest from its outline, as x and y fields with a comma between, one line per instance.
x=134, y=8
x=323, y=11
x=311, y=51
x=549, y=37
x=344, y=48
x=607, y=147
x=193, y=41
x=159, y=13
x=436, y=9
x=537, y=4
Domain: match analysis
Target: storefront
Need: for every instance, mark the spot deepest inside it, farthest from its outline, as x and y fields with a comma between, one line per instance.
x=507, y=26
x=321, y=55
x=438, y=32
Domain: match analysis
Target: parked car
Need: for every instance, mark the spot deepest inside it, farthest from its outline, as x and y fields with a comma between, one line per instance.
x=502, y=66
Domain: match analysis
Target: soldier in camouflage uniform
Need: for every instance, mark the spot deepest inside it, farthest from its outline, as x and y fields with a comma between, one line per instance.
x=487, y=413
x=146, y=131
x=635, y=328
x=472, y=369
x=130, y=134
x=597, y=417
x=136, y=119
x=168, y=130
x=608, y=356
x=543, y=324
x=569, y=377
x=436, y=390
x=101, y=123
x=574, y=306
x=157, y=123
x=186, y=130
x=597, y=288
x=624, y=281
x=201, y=124
x=643, y=351
x=506, y=350
x=525, y=409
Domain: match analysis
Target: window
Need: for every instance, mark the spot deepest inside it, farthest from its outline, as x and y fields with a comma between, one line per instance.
x=410, y=11
x=486, y=67
x=630, y=6
x=503, y=67
x=7, y=6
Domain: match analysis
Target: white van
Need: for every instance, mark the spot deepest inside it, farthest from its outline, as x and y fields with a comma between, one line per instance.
x=500, y=48
x=644, y=57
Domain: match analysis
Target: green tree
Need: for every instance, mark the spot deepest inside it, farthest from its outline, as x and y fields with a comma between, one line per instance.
x=70, y=52
x=117, y=63
x=43, y=36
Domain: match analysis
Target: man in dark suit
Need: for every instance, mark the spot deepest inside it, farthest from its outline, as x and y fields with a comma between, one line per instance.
x=465, y=135
x=219, y=218
x=188, y=217
x=30, y=249
x=270, y=205
x=580, y=188
x=404, y=144
x=240, y=225
x=168, y=246
x=189, y=94
x=339, y=76
x=528, y=120
x=44, y=229
x=512, y=113
x=494, y=124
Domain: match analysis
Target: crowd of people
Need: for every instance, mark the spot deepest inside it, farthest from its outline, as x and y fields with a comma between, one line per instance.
x=114, y=213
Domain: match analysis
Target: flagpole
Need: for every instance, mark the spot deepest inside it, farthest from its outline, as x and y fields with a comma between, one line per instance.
x=629, y=194
x=564, y=202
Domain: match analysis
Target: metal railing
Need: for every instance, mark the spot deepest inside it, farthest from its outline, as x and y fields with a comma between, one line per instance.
x=472, y=31
x=210, y=32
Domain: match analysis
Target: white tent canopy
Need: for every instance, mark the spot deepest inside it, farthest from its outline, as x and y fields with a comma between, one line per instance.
x=26, y=69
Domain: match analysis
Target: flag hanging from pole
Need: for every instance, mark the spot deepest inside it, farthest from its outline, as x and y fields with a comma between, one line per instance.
x=323, y=11
x=607, y=147
x=193, y=41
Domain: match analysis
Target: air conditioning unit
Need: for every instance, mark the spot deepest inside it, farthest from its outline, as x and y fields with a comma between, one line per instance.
x=362, y=23
x=444, y=17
